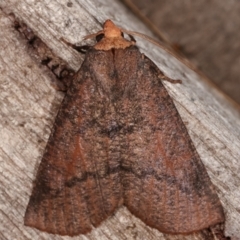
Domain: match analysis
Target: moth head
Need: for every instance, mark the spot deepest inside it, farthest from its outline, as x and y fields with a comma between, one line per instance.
x=110, y=37
x=110, y=30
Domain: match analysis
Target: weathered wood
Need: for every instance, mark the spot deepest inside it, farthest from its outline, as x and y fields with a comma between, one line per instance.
x=28, y=106
x=206, y=32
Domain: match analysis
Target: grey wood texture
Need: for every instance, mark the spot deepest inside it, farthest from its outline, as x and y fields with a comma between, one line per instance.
x=207, y=33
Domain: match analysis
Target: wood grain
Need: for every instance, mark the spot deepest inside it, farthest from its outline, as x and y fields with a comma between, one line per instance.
x=205, y=32
x=28, y=106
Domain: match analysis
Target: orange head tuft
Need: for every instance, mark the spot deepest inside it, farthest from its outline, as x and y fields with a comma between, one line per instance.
x=111, y=30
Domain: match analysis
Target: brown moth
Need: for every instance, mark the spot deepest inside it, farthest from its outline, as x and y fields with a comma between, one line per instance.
x=119, y=140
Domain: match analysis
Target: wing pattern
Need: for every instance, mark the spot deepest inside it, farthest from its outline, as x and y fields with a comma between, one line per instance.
x=118, y=139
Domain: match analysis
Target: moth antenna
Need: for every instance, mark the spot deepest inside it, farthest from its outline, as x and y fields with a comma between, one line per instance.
x=143, y=36
x=93, y=35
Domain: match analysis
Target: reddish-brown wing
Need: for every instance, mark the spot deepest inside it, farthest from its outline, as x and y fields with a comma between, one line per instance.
x=118, y=135
x=165, y=183
x=77, y=183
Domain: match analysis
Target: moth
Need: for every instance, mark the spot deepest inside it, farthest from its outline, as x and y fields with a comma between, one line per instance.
x=119, y=140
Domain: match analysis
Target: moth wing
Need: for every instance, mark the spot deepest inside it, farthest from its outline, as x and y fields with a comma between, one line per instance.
x=77, y=184
x=165, y=183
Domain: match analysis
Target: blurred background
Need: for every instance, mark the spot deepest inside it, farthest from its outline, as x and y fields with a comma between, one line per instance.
x=206, y=32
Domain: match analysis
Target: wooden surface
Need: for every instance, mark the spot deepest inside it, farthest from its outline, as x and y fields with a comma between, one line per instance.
x=28, y=106
x=205, y=31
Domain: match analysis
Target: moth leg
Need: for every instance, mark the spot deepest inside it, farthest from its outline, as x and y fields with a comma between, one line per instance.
x=165, y=78
x=161, y=75
x=82, y=49
x=132, y=38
